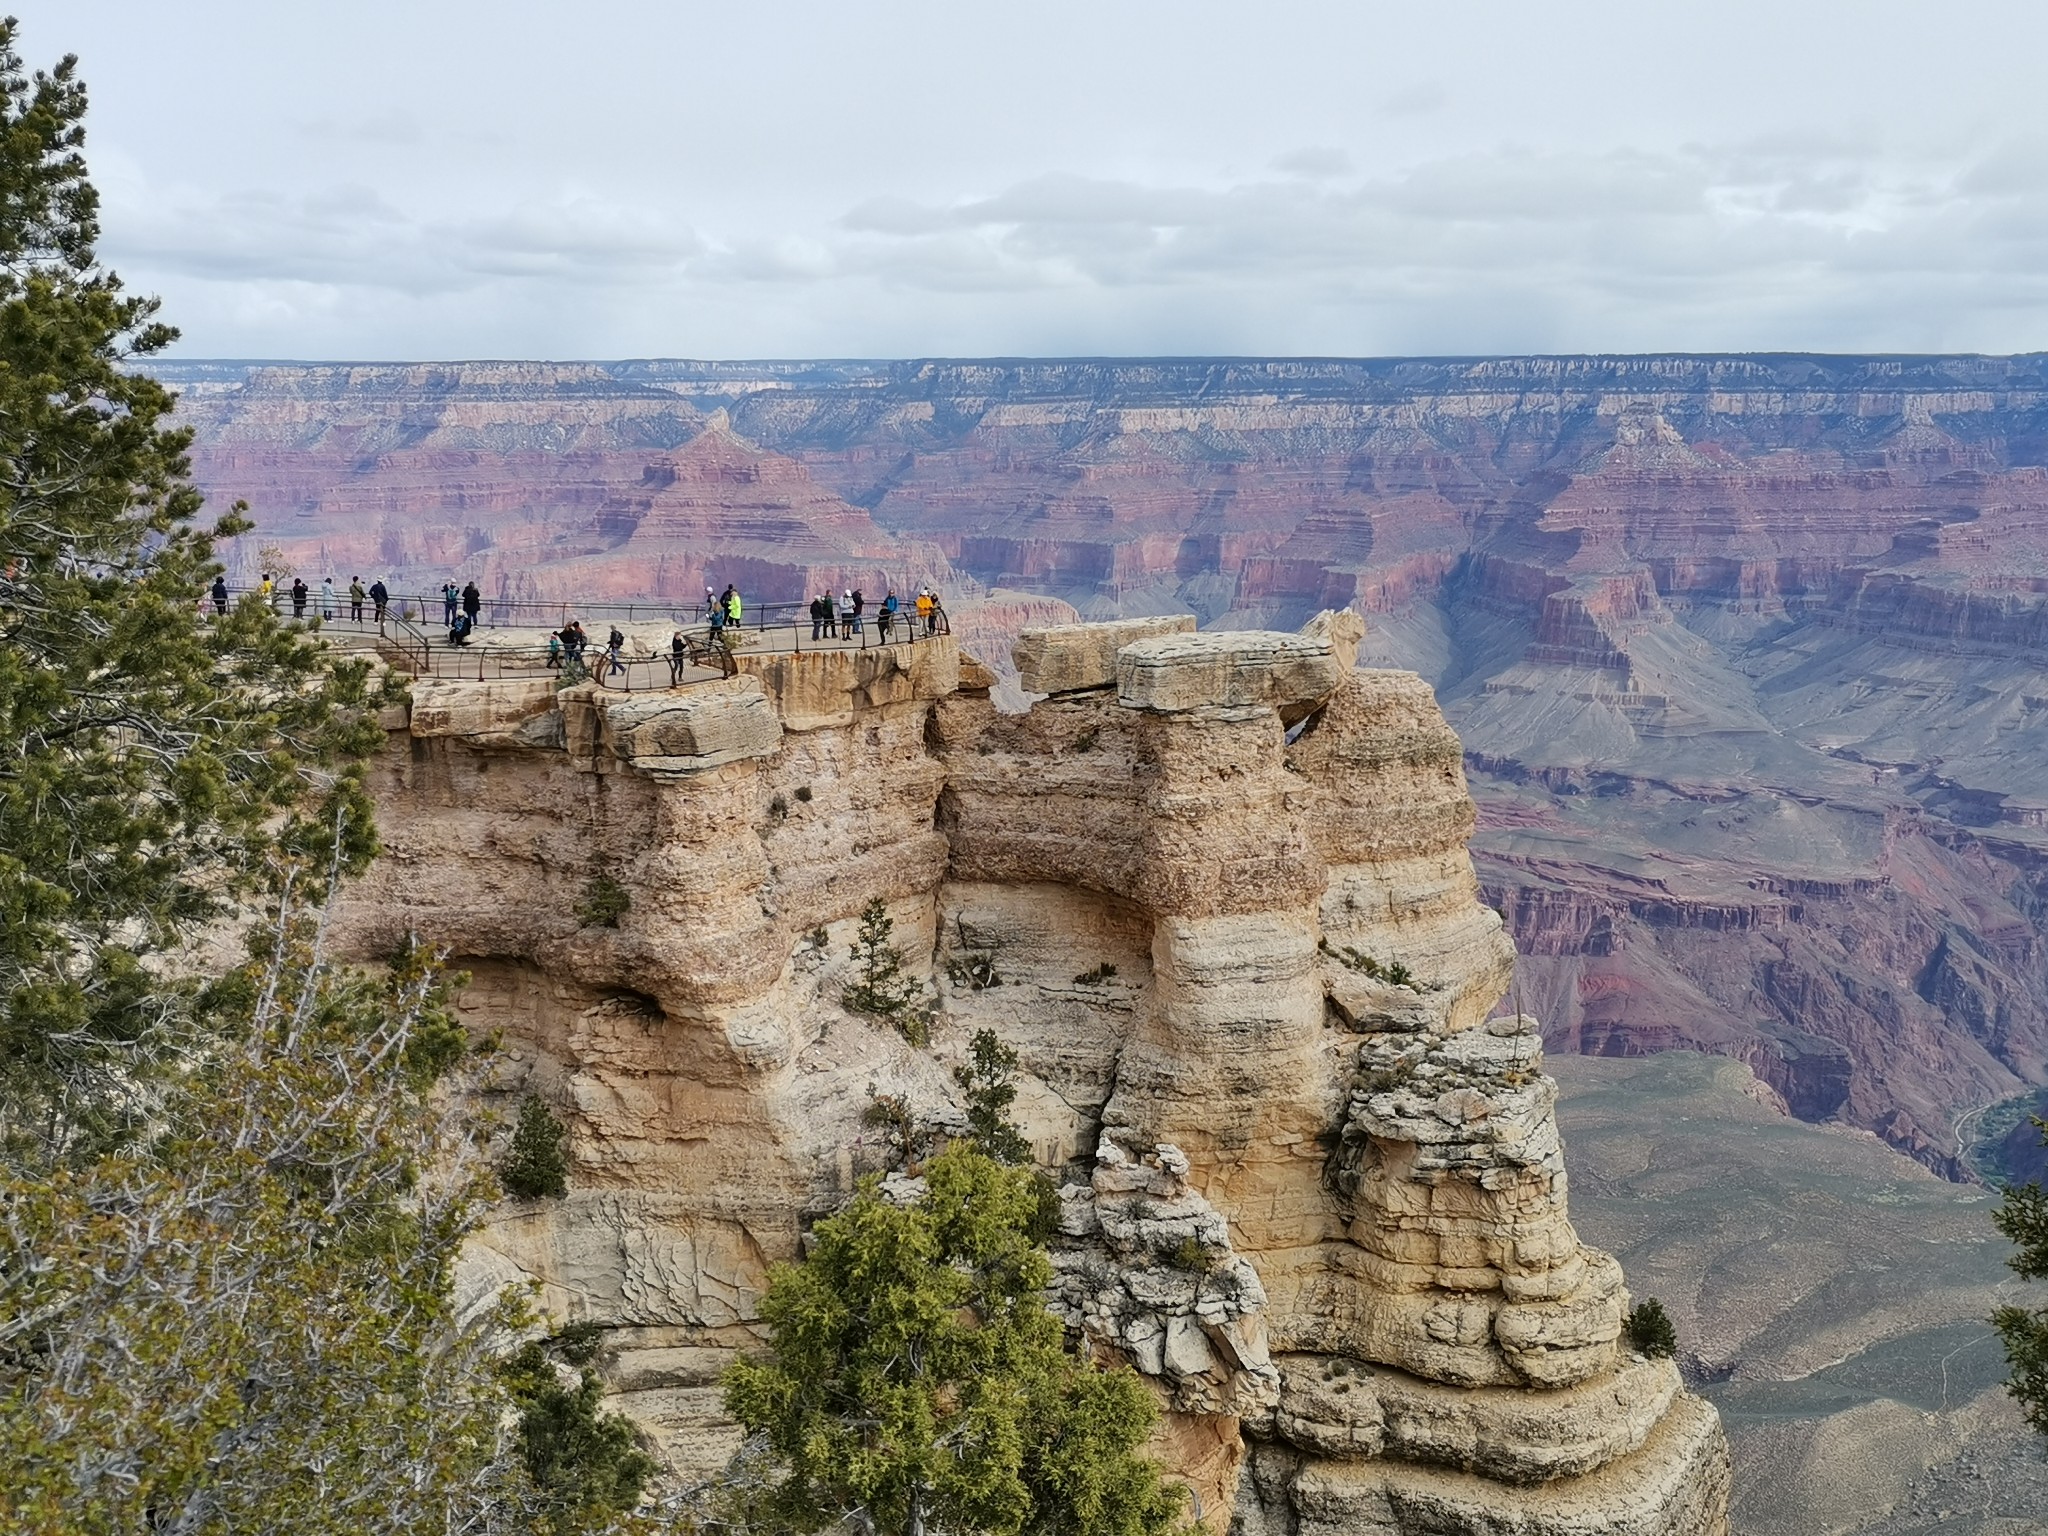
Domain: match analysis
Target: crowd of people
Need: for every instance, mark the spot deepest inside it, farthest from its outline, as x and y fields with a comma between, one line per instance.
x=842, y=618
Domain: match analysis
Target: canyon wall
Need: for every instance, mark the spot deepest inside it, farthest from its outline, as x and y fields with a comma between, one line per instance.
x=1743, y=650
x=1213, y=889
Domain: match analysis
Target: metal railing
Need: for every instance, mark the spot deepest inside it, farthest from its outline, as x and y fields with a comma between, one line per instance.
x=410, y=643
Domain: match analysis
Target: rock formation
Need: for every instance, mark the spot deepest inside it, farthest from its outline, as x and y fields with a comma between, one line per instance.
x=1214, y=892
x=1743, y=650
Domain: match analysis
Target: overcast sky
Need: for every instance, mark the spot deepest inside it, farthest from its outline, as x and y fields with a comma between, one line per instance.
x=792, y=178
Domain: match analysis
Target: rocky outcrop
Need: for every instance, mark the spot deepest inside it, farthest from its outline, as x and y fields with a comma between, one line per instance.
x=1674, y=605
x=1312, y=1187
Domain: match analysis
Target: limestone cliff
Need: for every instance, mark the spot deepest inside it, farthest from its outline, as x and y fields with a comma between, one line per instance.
x=1214, y=891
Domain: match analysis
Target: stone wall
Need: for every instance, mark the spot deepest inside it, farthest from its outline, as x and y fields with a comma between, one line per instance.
x=1214, y=892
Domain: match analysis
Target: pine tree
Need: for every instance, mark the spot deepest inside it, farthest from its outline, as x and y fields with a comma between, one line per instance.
x=988, y=1081
x=233, y=1206
x=918, y=1384
x=2023, y=1217
x=585, y=1464
x=537, y=1162
x=883, y=988
x=153, y=768
x=247, y=1323
x=1650, y=1330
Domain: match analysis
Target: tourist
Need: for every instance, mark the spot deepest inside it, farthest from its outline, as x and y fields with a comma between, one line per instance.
x=934, y=612
x=472, y=603
x=713, y=609
x=326, y=597
x=554, y=650
x=849, y=620
x=729, y=601
x=613, y=650
x=859, y=607
x=380, y=596
x=300, y=593
x=678, y=657
x=450, y=601
x=458, y=632
x=886, y=617
x=821, y=622
x=356, y=594
x=924, y=609
x=220, y=595
x=267, y=590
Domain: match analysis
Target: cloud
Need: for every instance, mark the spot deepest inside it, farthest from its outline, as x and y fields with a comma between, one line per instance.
x=1766, y=244
x=1417, y=100
x=1315, y=162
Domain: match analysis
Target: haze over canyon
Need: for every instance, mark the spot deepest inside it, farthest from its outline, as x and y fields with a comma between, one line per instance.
x=1743, y=650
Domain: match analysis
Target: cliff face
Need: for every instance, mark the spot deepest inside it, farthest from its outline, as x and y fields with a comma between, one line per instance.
x=1744, y=649
x=1317, y=1201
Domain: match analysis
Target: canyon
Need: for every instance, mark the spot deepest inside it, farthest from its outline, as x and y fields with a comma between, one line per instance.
x=1743, y=650
x=1212, y=888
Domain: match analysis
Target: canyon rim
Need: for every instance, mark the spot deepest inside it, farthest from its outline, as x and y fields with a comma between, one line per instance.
x=1322, y=1211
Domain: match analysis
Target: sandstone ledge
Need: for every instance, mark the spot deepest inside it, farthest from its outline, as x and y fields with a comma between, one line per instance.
x=1520, y=1436
x=1067, y=658
x=1173, y=673
x=1676, y=1484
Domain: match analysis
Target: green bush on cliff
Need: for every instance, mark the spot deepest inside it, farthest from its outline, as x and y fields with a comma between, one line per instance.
x=916, y=1383
x=536, y=1164
x=586, y=1465
x=1650, y=1330
x=2023, y=1217
x=881, y=988
x=604, y=901
x=987, y=1082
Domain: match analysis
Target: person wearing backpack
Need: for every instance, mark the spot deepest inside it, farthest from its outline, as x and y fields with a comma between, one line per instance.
x=613, y=647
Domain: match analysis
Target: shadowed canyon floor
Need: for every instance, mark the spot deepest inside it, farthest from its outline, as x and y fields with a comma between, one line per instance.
x=1743, y=650
x=1830, y=1294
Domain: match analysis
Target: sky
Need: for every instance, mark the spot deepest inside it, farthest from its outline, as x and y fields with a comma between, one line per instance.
x=397, y=179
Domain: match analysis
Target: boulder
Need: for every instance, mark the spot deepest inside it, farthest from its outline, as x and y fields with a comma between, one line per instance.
x=1173, y=673
x=1066, y=658
x=689, y=729
x=1343, y=628
x=452, y=707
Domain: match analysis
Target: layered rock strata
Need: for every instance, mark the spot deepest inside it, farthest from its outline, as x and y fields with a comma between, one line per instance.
x=1214, y=892
x=1745, y=649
